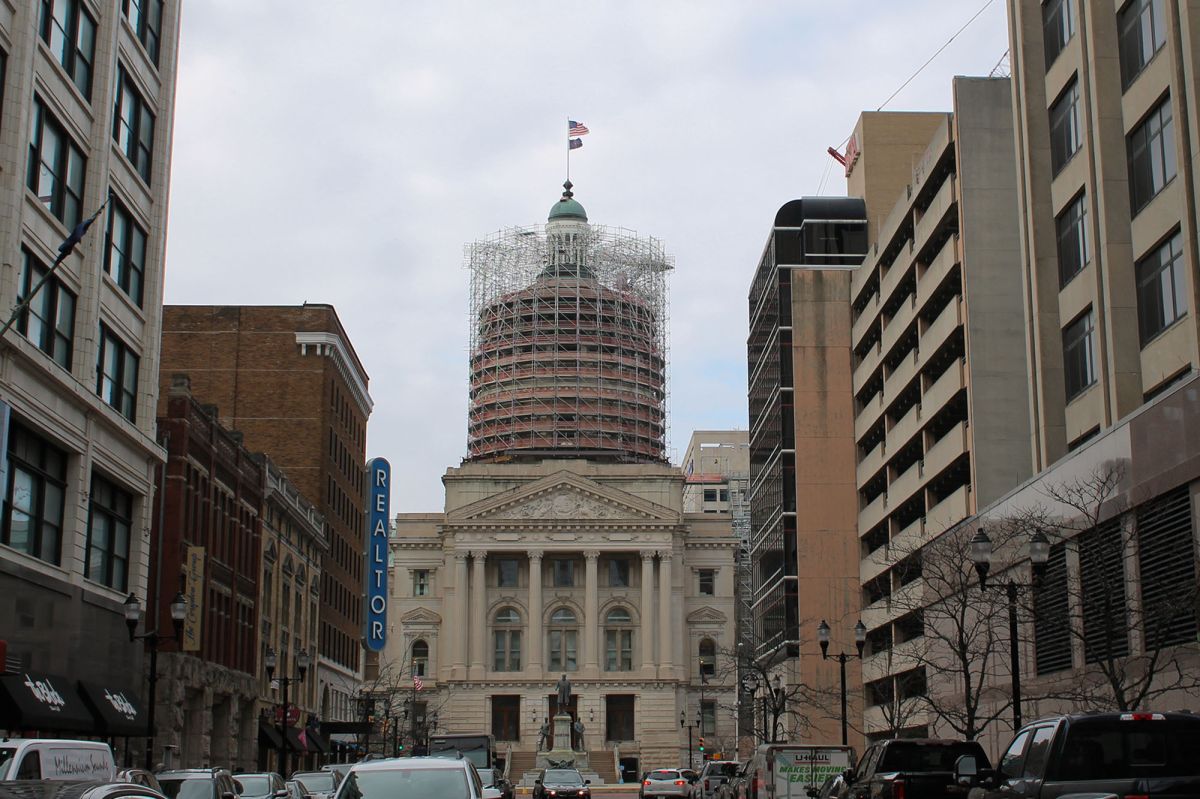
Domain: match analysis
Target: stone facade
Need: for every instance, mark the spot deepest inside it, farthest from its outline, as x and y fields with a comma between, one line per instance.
x=541, y=568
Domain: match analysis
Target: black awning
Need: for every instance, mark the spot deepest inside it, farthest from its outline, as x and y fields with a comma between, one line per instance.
x=294, y=742
x=33, y=701
x=316, y=743
x=268, y=735
x=116, y=711
x=346, y=728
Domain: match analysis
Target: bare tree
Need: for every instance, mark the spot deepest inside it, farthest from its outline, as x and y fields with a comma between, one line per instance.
x=780, y=709
x=1130, y=631
x=390, y=704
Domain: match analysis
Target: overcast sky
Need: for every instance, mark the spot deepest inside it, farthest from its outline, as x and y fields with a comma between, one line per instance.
x=344, y=152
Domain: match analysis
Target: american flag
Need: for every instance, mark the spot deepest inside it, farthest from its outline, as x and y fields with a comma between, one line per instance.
x=576, y=128
x=417, y=683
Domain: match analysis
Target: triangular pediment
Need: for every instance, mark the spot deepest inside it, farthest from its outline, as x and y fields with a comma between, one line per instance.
x=565, y=497
x=420, y=616
x=706, y=615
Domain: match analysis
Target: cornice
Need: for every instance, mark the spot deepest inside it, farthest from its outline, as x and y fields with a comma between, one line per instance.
x=333, y=344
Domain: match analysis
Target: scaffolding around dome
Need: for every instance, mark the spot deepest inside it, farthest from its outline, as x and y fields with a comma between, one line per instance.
x=568, y=344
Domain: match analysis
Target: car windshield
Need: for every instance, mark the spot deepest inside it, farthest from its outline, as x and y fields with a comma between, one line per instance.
x=320, y=781
x=1107, y=749
x=7, y=753
x=407, y=783
x=660, y=775
x=485, y=774
x=562, y=776
x=255, y=786
x=187, y=789
x=926, y=756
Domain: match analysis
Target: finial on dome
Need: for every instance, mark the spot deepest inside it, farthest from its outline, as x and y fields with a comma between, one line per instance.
x=567, y=186
x=567, y=206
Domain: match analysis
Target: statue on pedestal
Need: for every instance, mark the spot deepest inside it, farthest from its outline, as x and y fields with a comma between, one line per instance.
x=544, y=736
x=564, y=695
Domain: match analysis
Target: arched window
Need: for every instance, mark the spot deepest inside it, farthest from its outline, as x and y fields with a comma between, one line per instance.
x=618, y=640
x=708, y=657
x=563, y=640
x=420, y=658
x=507, y=639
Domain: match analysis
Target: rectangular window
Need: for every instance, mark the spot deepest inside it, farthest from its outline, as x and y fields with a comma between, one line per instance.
x=1073, y=248
x=710, y=495
x=564, y=573
x=49, y=320
x=618, y=717
x=708, y=717
x=1066, y=135
x=723, y=495
x=145, y=17
x=125, y=257
x=1102, y=555
x=1142, y=26
x=563, y=650
x=618, y=573
x=117, y=374
x=1079, y=357
x=507, y=570
x=508, y=650
x=56, y=166
x=618, y=650
x=133, y=124
x=1167, y=565
x=506, y=718
x=1161, y=288
x=70, y=31
x=110, y=518
x=1152, y=161
x=1058, y=27
x=420, y=582
x=708, y=581
x=34, y=494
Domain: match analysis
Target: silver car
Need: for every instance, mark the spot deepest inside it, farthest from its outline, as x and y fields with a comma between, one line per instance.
x=668, y=782
x=415, y=778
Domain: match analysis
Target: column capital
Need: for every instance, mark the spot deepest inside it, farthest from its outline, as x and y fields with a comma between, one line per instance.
x=479, y=554
x=647, y=555
x=461, y=555
x=536, y=554
x=664, y=554
x=591, y=554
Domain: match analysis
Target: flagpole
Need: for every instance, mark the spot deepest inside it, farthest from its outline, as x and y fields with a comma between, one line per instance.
x=568, y=149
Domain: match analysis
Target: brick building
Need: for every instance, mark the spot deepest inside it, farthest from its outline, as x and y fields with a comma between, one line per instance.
x=288, y=378
x=207, y=541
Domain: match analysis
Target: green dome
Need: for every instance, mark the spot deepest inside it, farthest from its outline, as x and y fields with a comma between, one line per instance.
x=567, y=207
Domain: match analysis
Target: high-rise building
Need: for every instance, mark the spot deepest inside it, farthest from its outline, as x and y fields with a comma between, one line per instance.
x=941, y=423
x=289, y=380
x=803, y=543
x=88, y=103
x=1106, y=143
x=563, y=547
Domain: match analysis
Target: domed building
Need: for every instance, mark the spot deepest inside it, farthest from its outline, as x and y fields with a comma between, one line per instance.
x=563, y=546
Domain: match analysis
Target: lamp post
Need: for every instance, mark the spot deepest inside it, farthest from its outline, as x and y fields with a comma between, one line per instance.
x=690, y=727
x=860, y=640
x=750, y=688
x=1039, y=553
x=133, y=615
x=285, y=681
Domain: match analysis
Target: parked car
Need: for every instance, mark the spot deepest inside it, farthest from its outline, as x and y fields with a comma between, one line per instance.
x=415, y=778
x=85, y=789
x=339, y=769
x=492, y=778
x=295, y=790
x=262, y=785
x=138, y=776
x=198, y=783
x=54, y=759
x=317, y=784
x=735, y=786
x=556, y=783
x=667, y=782
x=1153, y=755
x=834, y=787
x=715, y=774
x=911, y=767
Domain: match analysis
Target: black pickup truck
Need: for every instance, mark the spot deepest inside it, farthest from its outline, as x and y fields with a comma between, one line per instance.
x=911, y=768
x=1147, y=755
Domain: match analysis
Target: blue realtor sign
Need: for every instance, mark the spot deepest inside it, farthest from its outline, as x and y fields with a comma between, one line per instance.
x=380, y=474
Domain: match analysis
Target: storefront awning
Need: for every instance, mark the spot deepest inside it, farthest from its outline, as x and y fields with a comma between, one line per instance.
x=268, y=735
x=116, y=711
x=46, y=702
x=316, y=743
x=294, y=742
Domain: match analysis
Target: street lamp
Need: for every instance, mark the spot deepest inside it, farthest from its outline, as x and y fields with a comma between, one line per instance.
x=271, y=661
x=133, y=616
x=690, y=727
x=860, y=640
x=1039, y=553
x=750, y=688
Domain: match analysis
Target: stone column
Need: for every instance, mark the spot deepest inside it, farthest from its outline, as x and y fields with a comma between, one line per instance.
x=666, y=635
x=647, y=627
x=534, y=645
x=458, y=634
x=591, y=609
x=479, y=621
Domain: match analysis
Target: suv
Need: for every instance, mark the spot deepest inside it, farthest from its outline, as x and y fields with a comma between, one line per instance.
x=715, y=774
x=561, y=782
x=415, y=778
x=198, y=783
x=262, y=785
x=1127, y=754
x=673, y=782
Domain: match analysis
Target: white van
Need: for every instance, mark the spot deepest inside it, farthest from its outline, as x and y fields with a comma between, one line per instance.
x=790, y=771
x=56, y=759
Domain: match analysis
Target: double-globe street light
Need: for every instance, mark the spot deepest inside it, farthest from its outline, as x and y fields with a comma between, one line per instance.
x=777, y=697
x=1039, y=553
x=284, y=681
x=860, y=640
x=133, y=616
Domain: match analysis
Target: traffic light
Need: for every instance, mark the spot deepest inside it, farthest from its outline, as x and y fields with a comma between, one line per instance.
x=702, y=744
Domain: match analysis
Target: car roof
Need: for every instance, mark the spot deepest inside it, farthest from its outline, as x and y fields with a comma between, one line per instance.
x=184, y=773
x=403, y=763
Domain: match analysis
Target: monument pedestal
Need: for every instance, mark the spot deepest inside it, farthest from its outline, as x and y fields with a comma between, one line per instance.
x=562, y=753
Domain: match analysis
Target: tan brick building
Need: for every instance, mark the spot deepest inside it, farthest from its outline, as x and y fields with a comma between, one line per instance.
x=288, y=378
